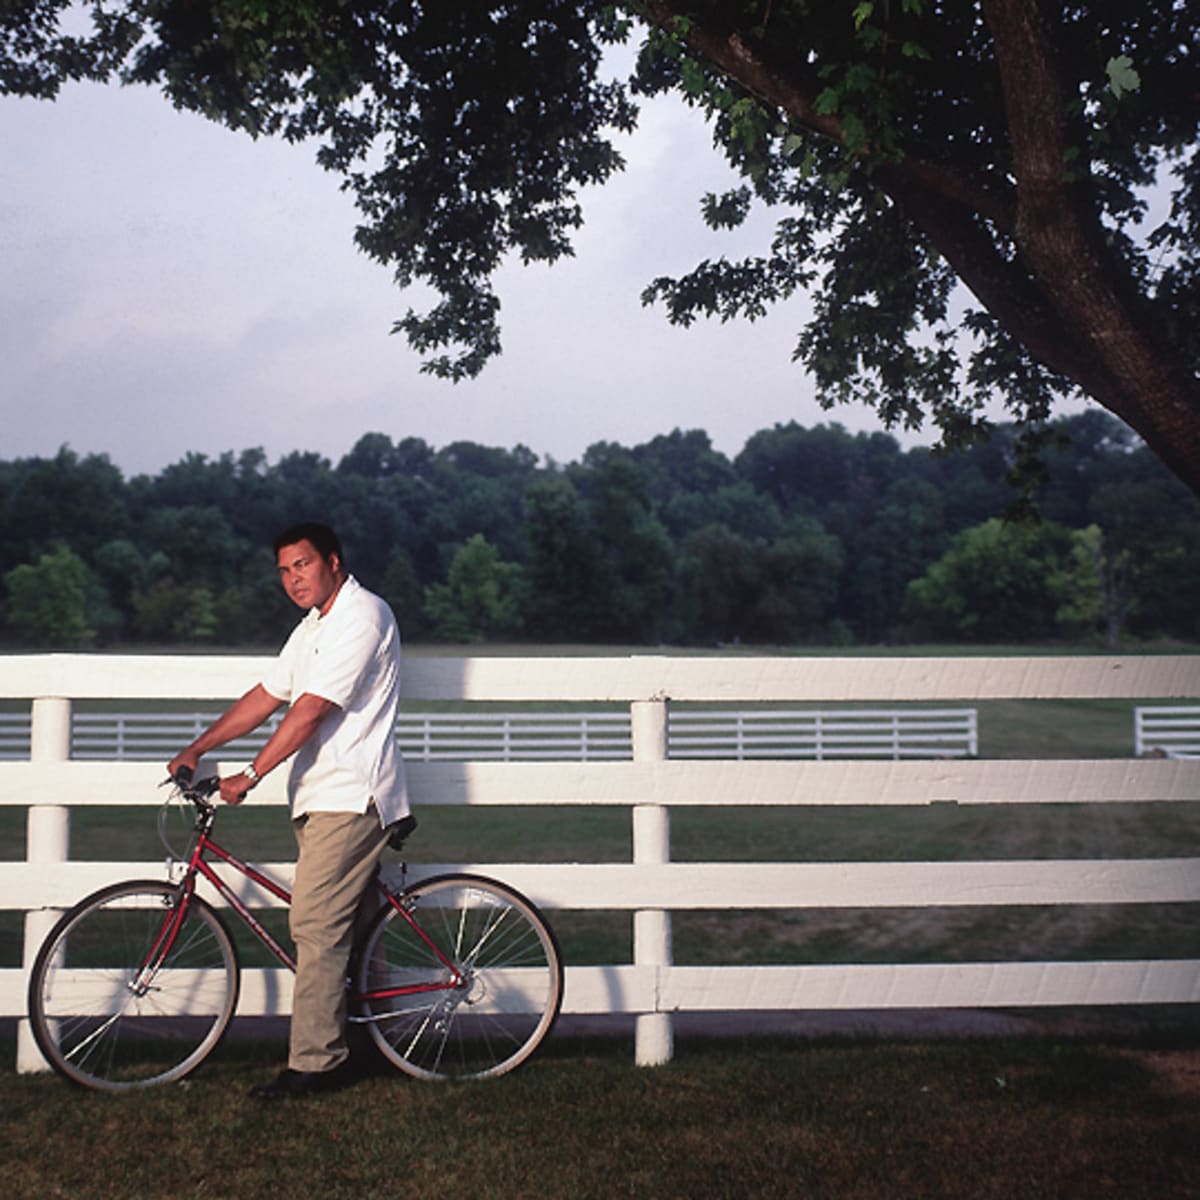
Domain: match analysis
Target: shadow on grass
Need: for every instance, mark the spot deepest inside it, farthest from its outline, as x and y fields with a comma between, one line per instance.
x=829, y=1116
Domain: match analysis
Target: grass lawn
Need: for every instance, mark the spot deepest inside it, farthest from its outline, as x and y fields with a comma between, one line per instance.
x=745, y=1118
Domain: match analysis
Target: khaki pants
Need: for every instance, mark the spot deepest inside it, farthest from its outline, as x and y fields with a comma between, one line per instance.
x=339, y=853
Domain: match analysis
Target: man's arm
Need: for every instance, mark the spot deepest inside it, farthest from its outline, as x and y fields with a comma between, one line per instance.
x=240, y=718
x=300, y=722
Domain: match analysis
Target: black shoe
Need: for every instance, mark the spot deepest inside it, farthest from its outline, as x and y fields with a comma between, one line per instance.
x=303, y=1083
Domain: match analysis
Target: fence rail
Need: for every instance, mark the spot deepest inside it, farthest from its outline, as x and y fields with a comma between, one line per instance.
x=649, y=784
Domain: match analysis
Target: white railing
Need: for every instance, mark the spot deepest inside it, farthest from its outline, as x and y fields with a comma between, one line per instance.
x=651, y=885
x=582, y=736
x=14, y=735
x=510, y=737
x=821, y=734
x=1173, y=730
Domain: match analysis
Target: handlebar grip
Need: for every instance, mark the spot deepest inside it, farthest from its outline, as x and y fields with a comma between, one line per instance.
x=195, y=789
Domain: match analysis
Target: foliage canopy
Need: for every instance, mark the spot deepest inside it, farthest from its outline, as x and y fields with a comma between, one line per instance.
x=806, y=536
x=1010, y=146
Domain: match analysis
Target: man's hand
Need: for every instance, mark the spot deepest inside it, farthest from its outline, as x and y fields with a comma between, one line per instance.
x=185, y=758
x=235, y=787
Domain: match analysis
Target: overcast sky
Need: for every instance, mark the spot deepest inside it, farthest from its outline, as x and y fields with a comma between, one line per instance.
x=168, y=285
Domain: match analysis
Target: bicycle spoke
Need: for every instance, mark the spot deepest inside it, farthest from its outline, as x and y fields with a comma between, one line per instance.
x=496, y=1005
x=113, y=1006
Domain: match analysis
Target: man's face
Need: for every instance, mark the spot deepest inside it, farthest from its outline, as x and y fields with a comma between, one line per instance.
x=309, y=580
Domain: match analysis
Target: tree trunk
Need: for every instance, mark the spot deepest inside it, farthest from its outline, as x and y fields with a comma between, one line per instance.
x=1059, y=238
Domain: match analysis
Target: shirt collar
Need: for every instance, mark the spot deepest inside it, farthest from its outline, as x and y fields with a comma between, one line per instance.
x=313, y=616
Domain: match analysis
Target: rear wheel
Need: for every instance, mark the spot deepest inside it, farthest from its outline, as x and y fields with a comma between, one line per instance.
x=466, y=989
x=128, y=992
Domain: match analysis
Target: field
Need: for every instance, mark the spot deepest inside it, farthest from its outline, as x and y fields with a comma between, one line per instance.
x=764, y=1118
x=1086, y=1104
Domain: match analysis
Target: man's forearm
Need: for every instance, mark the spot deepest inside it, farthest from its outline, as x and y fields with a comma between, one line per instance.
x=299, y=724
x=240, y=718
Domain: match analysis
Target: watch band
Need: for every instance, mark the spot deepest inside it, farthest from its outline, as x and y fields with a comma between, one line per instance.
x=251, y=774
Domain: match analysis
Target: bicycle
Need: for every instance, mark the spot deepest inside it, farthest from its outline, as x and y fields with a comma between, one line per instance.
x=458, y=976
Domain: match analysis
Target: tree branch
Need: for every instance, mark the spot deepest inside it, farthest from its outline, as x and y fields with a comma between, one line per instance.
x=794, y=91
x=1058, y=242
x=997, y=283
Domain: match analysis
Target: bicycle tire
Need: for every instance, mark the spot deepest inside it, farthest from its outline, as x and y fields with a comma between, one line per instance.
x=511, y=969
x=101, y=1019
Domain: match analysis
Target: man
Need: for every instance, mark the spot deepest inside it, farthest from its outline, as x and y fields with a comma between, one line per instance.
x=339, y=672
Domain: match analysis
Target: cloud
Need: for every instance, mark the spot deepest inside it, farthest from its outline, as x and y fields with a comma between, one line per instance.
x=172, y=286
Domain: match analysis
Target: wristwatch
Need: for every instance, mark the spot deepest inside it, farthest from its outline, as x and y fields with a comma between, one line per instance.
x=251, y=774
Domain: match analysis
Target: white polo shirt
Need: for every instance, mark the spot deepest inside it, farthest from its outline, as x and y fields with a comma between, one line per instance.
x=351, y=656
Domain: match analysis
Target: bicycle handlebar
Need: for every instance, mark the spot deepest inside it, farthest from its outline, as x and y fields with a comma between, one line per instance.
x=195, y=789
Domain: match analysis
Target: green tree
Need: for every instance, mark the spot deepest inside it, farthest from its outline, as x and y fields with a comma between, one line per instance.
x=901, y=537
x=123, y=569
x=734, y=590
x=48, y=599
x=681, y=462
x=737, y=506
x=628, y=598
x=800, y=573
x=1147, y=525
x=719, y=580
x=254, y=611
x=1005, y=146
x=1002, y=582
x=1092, y=589
x=403, y=591
x=483, y=490
x=43, y=501
x=170, y=612
x=481, y=598
x=196, y=541
x=563, y=559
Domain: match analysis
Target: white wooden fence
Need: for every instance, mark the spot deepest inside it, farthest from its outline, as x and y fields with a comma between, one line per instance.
x=650, y=785
x=534, y=735
x=1172, y=729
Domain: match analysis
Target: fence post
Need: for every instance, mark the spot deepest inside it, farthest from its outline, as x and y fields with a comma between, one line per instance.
x=47, y=840
x=654, y=1039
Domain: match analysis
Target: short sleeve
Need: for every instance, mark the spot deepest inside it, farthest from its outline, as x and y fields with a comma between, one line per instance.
x=278, y=678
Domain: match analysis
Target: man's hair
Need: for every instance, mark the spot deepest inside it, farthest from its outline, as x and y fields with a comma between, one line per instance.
x=324, y=540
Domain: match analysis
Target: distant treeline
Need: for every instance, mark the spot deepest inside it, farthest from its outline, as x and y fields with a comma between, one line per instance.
x=807, y=536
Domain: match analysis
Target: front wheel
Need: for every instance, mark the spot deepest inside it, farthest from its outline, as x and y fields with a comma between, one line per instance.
x=464, y=982
x=131, y=990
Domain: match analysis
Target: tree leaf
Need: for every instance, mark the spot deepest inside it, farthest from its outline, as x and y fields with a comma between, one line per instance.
x=1122, y=77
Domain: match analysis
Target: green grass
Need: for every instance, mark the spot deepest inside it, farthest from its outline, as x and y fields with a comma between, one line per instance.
x=764, y=1118
x=1056, y=728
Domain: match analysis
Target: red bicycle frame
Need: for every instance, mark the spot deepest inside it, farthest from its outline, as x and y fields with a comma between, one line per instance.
x=199, y=865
